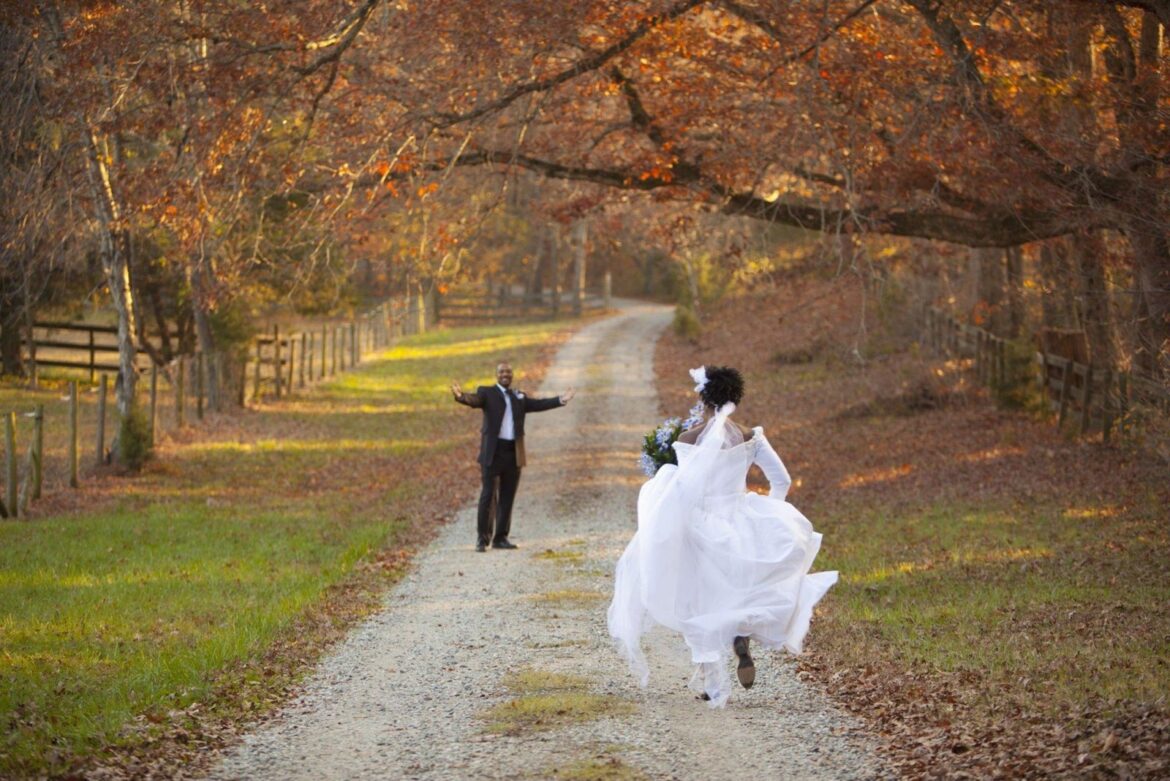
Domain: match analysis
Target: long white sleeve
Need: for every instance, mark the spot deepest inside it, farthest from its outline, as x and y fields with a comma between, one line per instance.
x=773, y=468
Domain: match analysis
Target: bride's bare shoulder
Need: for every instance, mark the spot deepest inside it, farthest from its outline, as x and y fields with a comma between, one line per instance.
x=691, y=435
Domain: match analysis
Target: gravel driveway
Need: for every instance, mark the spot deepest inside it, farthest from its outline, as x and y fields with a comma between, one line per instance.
x=404, y=696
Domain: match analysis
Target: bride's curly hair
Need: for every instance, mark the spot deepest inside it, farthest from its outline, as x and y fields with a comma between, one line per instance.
x=724, y=384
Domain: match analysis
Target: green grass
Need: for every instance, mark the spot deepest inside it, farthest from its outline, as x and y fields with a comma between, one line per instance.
x=135, y=606
x=546, y=700
x=1033, y=602
x=108, y=614
x=603, y=767
x=569, y=597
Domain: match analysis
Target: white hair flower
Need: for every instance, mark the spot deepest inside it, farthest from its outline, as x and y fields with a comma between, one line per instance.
x=699, y=375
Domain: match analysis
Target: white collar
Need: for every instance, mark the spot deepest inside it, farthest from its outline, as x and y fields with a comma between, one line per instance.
x=502, y=388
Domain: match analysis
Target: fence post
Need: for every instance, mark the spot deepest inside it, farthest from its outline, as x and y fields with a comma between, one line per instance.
x=92, y=357
x=292, y=362
x=153, y=403
x=980, y=364
x=304, y=353
x=333, y=351
x=311, y=354
x=354, y=346
x=1123, y=399
x=243, y=379
x=103, y=390
x=277, y=366
x=1001, y=361
x=199, y=385
x=38, y=463
x=73, y=434
x=1065, y=377
x=1086, y=398
x=180, y=389
x=1107, y=405
x=256, y=370
x=10, y=462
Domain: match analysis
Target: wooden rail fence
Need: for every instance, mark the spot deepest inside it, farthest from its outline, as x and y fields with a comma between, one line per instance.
x=1098, y=397
x=277, y=363
x=505, y=306
x=75, y=346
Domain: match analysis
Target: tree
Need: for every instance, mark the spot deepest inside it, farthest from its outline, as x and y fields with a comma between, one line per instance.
x=924, y=119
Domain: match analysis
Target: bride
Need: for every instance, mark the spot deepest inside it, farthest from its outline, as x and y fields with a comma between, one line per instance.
x=713, y=561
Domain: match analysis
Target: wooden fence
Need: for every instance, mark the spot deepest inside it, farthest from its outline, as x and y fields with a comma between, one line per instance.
x=279, y=362
x=988, y=352
x=509, y=306
x=75, y=346
x=175, y=396
x=1097, y=397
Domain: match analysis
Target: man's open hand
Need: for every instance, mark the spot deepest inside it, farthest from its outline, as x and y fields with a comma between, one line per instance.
x=567, y=396
x=456, y=391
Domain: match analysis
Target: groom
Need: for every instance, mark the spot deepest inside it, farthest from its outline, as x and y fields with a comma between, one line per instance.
x=501, y=449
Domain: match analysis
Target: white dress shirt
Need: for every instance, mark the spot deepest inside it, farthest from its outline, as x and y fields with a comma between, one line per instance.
x=507, y=427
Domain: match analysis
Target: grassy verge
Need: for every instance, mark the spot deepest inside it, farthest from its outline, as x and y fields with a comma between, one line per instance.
x=206, y=583
x=1003, y=603
x=1035, y=607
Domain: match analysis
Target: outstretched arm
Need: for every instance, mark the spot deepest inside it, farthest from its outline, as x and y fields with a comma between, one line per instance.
x=773, y=469
x=540, y=405
x=465, y=398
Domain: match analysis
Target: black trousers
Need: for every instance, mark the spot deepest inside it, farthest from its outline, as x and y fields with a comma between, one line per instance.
x=499, y=483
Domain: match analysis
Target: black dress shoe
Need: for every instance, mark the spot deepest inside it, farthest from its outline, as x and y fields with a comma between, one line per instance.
x=480, y=547
x=504, y=544
x=746, y=672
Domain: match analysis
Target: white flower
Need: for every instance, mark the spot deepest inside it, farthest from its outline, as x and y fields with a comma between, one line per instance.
x=699, y=375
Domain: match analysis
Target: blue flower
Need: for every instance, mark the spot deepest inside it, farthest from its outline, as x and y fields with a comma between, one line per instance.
x=658, y=444
x=648, y=465
x=695, y=416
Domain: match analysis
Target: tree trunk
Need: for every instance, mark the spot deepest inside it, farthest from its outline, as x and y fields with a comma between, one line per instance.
x=580, y=236
x=1151, y=249
x=200, y=286
x=1096, y=309
x=114, y=247
x=554, y=267
x=989, y=304
x=1013, y=259
x=1056, y=297
x=11, y=362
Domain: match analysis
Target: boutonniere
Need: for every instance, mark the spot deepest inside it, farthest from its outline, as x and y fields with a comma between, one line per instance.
x=519, y=394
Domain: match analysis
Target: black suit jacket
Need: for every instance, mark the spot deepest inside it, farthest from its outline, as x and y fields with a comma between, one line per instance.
x=491, y=401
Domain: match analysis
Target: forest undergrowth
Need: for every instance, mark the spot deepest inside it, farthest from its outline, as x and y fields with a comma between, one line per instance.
x=1003, y=605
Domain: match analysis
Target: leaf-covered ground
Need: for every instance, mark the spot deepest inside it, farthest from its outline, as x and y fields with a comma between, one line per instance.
x=1004, y=605
x=144, y=620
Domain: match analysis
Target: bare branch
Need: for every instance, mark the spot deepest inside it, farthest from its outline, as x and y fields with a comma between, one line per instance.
x=591, y=63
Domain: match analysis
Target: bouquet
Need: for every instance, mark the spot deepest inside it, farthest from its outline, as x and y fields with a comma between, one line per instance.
x=657, y=445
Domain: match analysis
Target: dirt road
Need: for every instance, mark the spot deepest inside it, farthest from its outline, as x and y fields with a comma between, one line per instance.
x=408, y=694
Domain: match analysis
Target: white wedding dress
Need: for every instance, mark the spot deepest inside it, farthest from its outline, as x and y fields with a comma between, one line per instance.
x=712, y=560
